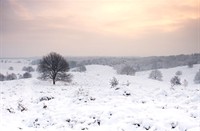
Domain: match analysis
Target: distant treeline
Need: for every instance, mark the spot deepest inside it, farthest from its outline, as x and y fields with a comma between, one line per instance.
x=138, y=63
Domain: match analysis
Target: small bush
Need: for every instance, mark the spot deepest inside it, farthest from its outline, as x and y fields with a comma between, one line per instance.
x=156, y=75
x=46, y=98
x=21, y=107
x=28, y=69
x=11, y=77
x=175, y=81
x=27, y=75
x=24, y=68
x=179, y=73
x=197, y=78
x=128, y=83
x=11, y=68
x=2, y=77
x=114, y=82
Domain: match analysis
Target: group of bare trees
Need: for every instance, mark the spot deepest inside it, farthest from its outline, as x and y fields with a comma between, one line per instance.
x=176, y=80
x=13, y=76
x=53, y=66
x=142, y=63
x=28, y=69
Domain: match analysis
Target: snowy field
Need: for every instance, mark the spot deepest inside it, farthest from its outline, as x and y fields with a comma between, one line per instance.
x=89, y=102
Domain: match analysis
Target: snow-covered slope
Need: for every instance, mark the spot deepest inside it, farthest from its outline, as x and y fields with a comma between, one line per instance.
x=89, y=102
x=187, y=73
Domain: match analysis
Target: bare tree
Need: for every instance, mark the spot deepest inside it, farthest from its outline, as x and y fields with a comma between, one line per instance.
x=114, y=82
x=54, y=66
x=156, y=75
x=175, y=81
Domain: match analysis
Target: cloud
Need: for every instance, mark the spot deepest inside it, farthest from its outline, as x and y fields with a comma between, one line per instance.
x=20, y=10
x=77, y=43
x=109, y=17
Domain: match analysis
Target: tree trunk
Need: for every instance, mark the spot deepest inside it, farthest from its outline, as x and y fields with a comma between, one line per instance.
x=54, y=82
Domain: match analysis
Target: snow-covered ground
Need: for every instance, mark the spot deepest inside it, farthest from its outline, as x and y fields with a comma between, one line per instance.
x=89, y=102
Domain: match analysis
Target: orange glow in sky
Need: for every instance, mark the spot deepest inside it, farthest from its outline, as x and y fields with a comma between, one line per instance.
x=67, y=25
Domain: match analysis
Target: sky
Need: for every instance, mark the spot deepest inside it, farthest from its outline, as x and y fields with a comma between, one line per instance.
x=31, y=28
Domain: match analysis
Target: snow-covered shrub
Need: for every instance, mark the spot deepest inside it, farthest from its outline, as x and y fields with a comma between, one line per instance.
x=27, y=75
x=156, y=75
x=28, y=69
x=24, y=68
x=114, y=82
x=190, y=64
x=46, y=98
x=81, y=93
x=175, y=81
x=11, y=77
x=197, y=78
x=21, y=107
x=20, y=76
x=10, y=110
x=185, y=83
x=128, y=70
x=35, y=62
x=82, y=68
x=128, y=83
x=11, y=68
x=126, y=93
x=179, y=73
x=2, y=77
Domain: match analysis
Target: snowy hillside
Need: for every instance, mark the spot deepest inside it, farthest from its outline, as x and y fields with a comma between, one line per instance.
x=89, y=102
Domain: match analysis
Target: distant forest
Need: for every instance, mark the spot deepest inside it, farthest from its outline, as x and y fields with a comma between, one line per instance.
x=138, y=63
